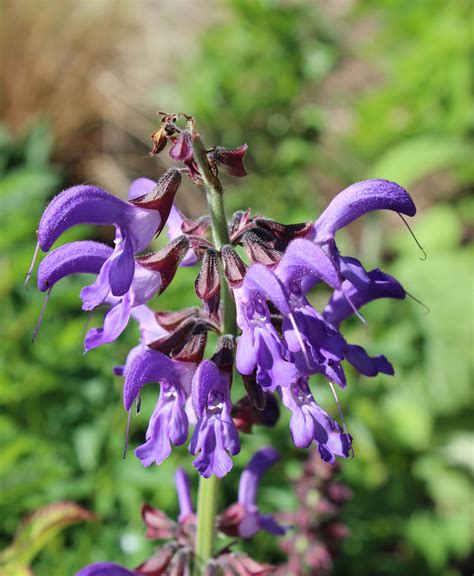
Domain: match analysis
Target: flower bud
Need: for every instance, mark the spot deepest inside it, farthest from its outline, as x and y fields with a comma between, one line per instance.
x=234, y=267
x=260, y=251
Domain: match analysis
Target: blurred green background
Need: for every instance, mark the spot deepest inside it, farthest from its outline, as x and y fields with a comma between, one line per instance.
x=325, y=94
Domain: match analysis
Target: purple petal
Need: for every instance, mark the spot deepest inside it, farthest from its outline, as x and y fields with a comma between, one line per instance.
x=115, y=322
x=368, y=365
x=357, y=200
x=206, y=378
x=246, y=355
x=122, y=268
x=148, y=366
x=141, y=187
x=105, y=569
x=380, y=285
x=303, y=258
x=80, y=205
x=183, y=489
x=73, y=258
x=260, y=462
x=213, y=458
x=261, y=280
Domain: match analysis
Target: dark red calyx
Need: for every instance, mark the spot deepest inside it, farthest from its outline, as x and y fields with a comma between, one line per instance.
x=169, y=320
x=255, y=393
x=259, y=250
x=245, y=415
x=166, y=260
x=234, y=266
x=230, y=519
x=208, y=282
x=241, y=221
x=194, y=347
x=162, y=196
x=158, y=524
x=284, y=232
x=175, y=338
x=223, y=356
x=230, y=159
x=197, y=227
x=182, y=148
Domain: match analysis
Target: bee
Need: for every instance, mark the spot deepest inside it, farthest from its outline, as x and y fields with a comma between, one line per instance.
x=167, y=129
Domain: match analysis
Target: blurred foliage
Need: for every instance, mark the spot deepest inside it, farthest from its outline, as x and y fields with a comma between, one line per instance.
x=255, y=77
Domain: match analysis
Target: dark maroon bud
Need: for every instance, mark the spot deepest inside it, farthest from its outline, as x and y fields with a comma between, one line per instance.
x=223, y=356
x=195, y=346
x=169, y=320
x=240, y=220
x=175, y=338
x=255, y=393
x=158, y=525
x=234, y=267
x=283, y=232
x=260, y=251
x=166, y=260
x=211, y=569
x=158, y=564
x=180, y=564
x=162, y=196
x=231, y=159
x=230, y=519
x=245, y=415
x=182, y=149
x=197, y=227
x=208, y=282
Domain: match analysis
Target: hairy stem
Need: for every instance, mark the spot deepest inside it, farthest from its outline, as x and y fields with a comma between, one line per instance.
x=209, y=487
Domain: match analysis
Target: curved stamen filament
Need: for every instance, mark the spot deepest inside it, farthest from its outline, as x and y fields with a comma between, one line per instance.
x=425, y=255
x=32, y=265
x=40, y=319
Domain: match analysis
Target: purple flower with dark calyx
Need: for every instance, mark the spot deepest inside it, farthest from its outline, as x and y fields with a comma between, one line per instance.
x=379, y=285
x=244, y=518
x=136, y=222
x=215, y=434
x=310, y=422
x=351, y=204
x=169, y=423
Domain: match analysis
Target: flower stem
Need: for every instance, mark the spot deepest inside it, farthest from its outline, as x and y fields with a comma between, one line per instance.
x=209, y=487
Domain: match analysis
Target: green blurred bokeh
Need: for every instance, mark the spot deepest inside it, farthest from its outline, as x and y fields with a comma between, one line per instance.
x=324, y=96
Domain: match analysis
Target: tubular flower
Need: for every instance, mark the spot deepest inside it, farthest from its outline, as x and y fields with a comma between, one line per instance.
x=136, y=221
x=244, y=518
x=169, y=422
x=152, y=275
x=215, y=434
x=310, y=422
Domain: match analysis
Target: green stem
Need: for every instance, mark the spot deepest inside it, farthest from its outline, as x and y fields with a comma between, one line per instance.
x=209, y=487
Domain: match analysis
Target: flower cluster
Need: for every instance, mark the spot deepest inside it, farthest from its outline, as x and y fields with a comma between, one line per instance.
x=242, y=519
x=283, y=339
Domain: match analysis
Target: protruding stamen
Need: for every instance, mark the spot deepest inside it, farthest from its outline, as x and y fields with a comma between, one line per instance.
x=422, y=304
x=425, y=255
x=32, y=265
x=341, y=416
x=300, y=339
x=127, y=433
x=354, y=308
x=38, y=324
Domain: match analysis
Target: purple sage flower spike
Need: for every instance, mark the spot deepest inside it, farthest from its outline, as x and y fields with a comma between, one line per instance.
x=244, y=518
x=183, y=489
x=105, y=569
x=215, y=434
x=359, y=199
x=169, y=423
x=310, y=422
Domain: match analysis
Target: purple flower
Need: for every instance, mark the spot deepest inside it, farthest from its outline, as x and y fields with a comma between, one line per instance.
x=215, y=434
x=351, y=204
x=169, y=423
x=244, y=518
x=341, y=306
x=152, y=274
x=310, y=422
x=136, y=221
